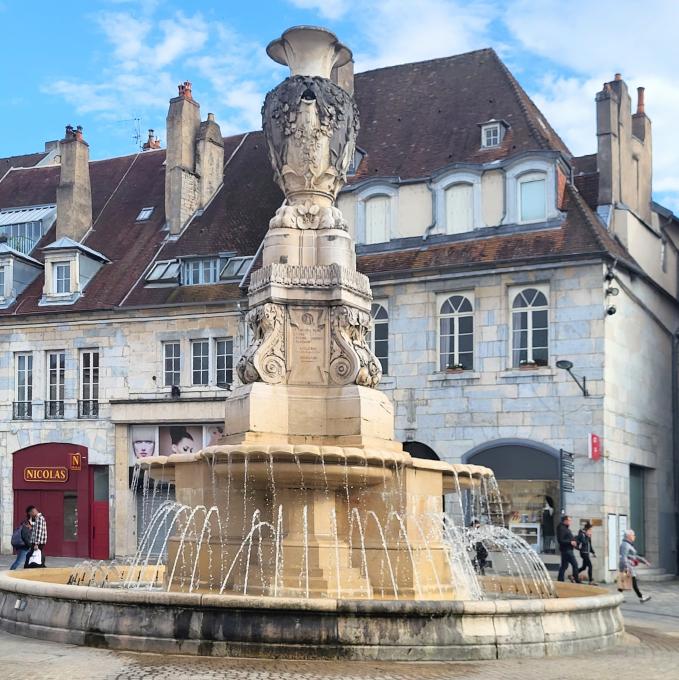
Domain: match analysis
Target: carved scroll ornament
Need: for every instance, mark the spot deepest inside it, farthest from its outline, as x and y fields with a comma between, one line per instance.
x=351, y=359
x=264, y=359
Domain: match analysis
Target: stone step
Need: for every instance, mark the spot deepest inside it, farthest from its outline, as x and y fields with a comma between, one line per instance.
x=645, y=577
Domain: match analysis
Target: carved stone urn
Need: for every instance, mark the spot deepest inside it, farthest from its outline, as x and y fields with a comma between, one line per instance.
x=310, y=124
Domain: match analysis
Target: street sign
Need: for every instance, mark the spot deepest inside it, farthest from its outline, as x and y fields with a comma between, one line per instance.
x=567, y=471
x=594, y=446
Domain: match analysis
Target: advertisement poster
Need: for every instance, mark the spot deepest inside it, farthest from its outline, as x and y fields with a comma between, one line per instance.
x=164, y=440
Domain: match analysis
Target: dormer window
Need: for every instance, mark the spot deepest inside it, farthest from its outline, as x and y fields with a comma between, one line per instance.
x=145, y=214
x=200, y=271
x=3, y=295
x=17, y=271
x=69, y=267
x=23, y=227
x=532, y=197
x=355, y=162
x=61, y=278
x=492, y=133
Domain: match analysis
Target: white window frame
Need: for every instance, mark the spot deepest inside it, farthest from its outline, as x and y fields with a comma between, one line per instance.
x=363, y=197
x=371, y=335
x=4, y=270
x=59, y=373
x=529, y=178
x=515, y=172
x=444, y=183
x=90, y=383
x=172, y=358
x=188, y=266
x=215, y=370
x=490, y=127
x=27, y=396
x=440, y=300
x=512, y=293
x=203, y=357
x=56, y=266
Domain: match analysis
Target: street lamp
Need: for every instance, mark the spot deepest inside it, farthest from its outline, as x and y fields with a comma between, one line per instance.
x=567, y=366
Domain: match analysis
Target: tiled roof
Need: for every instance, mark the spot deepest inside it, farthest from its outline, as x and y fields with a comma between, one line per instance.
x=27, y=160
x=586, y=177
x=415, y=120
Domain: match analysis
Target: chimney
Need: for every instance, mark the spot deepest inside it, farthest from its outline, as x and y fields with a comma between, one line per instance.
x=640, y=101
x=152, y=142
x=209, y=158
x=181, y=182
x=74, y=195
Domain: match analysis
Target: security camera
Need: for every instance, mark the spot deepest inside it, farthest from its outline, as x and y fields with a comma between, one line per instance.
x=611, y=310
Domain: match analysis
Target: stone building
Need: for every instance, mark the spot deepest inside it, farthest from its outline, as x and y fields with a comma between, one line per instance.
x=492, y=253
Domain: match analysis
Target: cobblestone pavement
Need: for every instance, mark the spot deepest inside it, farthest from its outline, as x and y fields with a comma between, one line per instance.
x=650, y=651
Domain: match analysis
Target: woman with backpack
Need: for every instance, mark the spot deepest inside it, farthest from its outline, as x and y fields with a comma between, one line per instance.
x=21, y=541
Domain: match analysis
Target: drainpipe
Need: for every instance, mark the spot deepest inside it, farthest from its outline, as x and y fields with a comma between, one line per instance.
x=434, y=211
x=675, y=436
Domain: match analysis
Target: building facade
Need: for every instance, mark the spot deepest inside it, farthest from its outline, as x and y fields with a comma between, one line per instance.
x=492, y=253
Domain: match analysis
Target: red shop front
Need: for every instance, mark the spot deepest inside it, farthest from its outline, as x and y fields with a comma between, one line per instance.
x=70, y=493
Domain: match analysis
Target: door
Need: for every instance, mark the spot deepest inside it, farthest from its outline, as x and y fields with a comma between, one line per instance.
x=99, y=514
x=60, y=509
x=637, y=503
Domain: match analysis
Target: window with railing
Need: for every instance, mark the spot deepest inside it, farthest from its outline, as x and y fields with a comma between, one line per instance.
x=23, y=236
x=23, y=405
x=56, y=371
x=88, y=404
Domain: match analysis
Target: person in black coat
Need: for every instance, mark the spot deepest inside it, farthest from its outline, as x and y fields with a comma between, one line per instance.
x=567, y=543
x=585, y=547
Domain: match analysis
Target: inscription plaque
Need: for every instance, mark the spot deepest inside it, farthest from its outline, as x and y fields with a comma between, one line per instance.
x=307, y=346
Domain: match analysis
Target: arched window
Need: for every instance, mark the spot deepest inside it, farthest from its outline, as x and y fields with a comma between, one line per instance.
x=379, y=335
x=532, y=197
x=459, y=208
x=456, y=333
x=377, y=219
x=530, y=328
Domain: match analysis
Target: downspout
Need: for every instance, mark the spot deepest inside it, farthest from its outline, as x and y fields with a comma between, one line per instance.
x=675, y=437
x=434, y=211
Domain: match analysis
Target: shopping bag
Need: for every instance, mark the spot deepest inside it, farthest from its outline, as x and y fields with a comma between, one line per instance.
x=35, y=558
x=624, y=580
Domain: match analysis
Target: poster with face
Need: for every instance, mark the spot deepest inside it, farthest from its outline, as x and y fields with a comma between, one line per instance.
x=164, y=440
x=143, y=439
x=179, y=439
x=213, y=433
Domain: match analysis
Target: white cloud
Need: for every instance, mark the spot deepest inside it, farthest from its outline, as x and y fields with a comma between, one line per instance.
x=330, y=9
x=400, y=31
x=594, y=41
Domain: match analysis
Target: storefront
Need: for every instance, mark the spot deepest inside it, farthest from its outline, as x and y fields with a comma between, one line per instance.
x=71, y=494
x=528, y=478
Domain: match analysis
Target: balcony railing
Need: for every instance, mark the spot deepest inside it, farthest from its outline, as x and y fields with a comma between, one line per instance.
x=54, y=410
x=22, y=410
x=88, y=408
x=24, y=244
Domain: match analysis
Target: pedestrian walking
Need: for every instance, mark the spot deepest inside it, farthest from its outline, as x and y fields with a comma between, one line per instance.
x=481, y=553
x=567, y=543
x=21, y=542
x=629, y=559
x=585, y=547
x=38, y=536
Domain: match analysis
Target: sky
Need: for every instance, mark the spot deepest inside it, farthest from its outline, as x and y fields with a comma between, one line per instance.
x=112, y=65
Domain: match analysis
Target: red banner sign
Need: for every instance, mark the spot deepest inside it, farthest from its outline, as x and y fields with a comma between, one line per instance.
x=594, y=446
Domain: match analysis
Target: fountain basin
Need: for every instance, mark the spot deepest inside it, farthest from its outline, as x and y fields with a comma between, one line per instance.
x=582, y=618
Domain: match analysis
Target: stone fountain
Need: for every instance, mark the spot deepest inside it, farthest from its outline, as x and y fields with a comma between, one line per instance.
x=308, y=531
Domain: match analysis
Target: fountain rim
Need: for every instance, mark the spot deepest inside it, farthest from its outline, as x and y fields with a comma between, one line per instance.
x=275, y=48
x=27, y=585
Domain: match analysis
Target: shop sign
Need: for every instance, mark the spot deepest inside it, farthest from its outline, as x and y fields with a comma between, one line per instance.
x=75, y=463
x=46, y=474
x=567, y=471
x=594, y=446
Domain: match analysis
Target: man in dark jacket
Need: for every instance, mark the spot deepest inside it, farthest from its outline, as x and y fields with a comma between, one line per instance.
x=567, y=542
